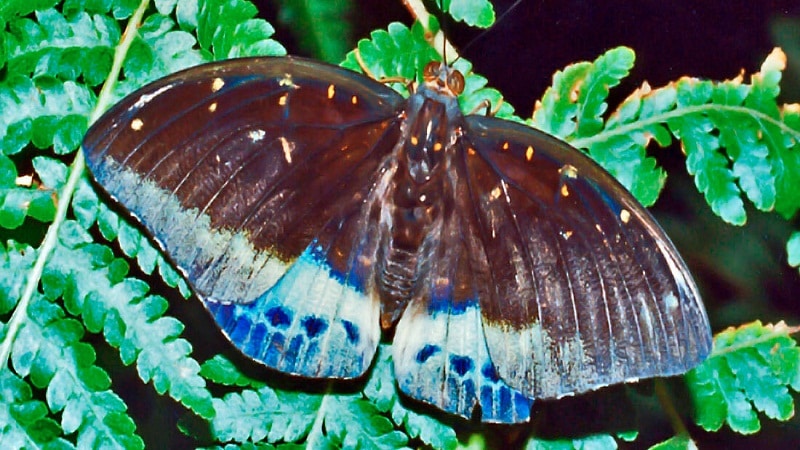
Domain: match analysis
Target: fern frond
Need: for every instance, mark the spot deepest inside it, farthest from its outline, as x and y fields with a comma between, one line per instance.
x=95, y=288
x=599, y=442
x=736, y=139
x=66, y=47
x=26, y=421
x=42, y=111
x=475, y=13
x=264, y=414
x=23, y=196
x=49, y=351
x=750, y=369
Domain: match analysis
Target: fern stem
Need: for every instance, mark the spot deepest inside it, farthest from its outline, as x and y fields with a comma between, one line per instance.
x=438, y=41
x=587, y=142
x=65, y=196
x=669, y=408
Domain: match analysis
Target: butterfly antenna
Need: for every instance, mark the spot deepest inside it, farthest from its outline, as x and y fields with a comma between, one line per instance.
x=496, y=22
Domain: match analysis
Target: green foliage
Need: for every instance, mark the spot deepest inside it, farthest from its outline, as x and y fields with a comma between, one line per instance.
x=476, y=13
x=317, y=21
x=751, y=369
x=676, y=443
x=403, y=52
x=736, y=138
x=55, y=391
x=596, y=442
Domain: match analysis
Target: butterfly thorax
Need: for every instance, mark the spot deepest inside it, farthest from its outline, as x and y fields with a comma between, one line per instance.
x=414, y=200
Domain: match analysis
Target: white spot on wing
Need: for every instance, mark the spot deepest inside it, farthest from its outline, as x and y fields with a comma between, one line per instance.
x=146, y=98
x=217, y=84
x=137, y=124
x=671, y=302
x=288, y=148
x=569, y=171
x=256, y=135
x=286, y=80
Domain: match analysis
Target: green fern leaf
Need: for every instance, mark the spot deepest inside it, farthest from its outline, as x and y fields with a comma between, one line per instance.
x=787, y=166
x=475, y=13
x=750, y=369
x=395, y=52
x=229, y=30
x=26, y=422
x=704, y=160
x=63, y=47
x=221, y=370
x=736, y=139
x=676, y=443
x=556, y=113
x=15, y=261
x=95, y=288
x=264, y=414
x=382, y=392
x=160, y=49
x=793, y=249
x=21, y=197
x=36, y=111
x=49, y=351
x=593, y=442
x=573, y=108
x=607, y=72
x=11, y=9
x=353, y=422
x=403, y=52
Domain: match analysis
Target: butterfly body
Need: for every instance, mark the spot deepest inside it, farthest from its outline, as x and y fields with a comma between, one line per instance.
x=309, y=207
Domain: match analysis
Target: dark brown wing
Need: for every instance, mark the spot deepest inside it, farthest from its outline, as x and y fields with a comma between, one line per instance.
x=585, y=289
x=252, y=175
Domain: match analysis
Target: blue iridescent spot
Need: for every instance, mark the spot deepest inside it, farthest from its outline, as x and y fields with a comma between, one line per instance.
x=318, y=255
x=223, y=314
x=314, y=326
x=490, y=373
x=448, y=304
x=505, y=398
x=274, y=351
x=461, y=364
x=290, y=356
x=240, y=330
x=352, y=331
x=256, y=341
x=277, y=317
x=522, y=404
x=426, y=352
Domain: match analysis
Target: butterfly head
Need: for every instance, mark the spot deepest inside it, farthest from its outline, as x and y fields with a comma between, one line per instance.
x=443, y=79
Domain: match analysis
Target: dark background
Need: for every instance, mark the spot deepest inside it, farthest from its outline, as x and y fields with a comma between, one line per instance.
x=741, y=271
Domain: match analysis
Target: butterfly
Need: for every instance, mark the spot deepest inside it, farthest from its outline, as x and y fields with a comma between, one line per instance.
x=312, y=208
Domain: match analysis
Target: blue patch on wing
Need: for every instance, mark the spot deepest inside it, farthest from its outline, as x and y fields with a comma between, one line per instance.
x=441, y=357
x=309, y=323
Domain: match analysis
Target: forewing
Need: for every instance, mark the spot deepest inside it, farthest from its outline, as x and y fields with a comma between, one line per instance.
x=586, y=289
x=253, y=175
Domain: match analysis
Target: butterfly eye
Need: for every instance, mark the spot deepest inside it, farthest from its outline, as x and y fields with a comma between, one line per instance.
x=455, y=82
x=431, y=71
